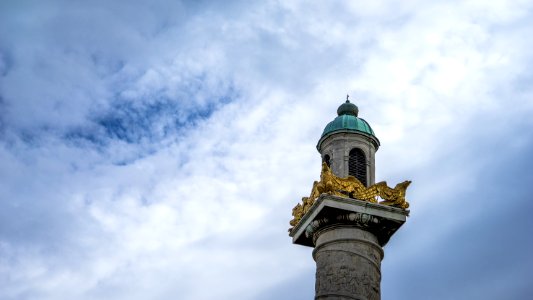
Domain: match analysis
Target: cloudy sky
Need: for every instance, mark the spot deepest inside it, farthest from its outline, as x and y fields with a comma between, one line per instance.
x=155, y=150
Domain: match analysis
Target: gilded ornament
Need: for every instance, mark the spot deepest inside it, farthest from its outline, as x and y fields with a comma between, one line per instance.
x=350, y=187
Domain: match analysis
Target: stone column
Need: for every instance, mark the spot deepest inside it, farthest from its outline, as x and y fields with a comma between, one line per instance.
x=348, y=236
x=348, y=264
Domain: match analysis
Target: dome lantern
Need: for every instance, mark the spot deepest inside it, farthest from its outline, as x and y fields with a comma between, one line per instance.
x=348, y=145
x=348, y=108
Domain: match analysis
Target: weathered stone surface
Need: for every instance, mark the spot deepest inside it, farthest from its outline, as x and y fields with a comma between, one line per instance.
x=348, y=263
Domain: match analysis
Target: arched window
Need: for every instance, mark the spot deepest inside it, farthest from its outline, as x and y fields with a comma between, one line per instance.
x=357, y=165
x=327, y=160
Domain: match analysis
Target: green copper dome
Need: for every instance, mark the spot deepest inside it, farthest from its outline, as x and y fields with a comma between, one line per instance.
x=347, y=121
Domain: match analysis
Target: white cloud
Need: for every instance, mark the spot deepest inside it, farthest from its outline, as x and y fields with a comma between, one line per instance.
x=198, y=203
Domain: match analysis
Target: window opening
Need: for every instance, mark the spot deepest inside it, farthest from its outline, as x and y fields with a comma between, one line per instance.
x=327, y=160
x=357, y=165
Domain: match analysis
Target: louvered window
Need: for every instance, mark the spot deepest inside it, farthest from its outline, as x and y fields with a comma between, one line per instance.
x=327, y=160
x=357, y=165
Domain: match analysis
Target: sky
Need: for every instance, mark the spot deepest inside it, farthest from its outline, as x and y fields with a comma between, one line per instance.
x=154, y=150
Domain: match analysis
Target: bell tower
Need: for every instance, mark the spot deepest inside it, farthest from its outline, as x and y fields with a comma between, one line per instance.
x=348, y=218
x=348, y=145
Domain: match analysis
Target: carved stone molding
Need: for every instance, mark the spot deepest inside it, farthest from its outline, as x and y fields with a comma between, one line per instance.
x=330, y=210
x=361, y=220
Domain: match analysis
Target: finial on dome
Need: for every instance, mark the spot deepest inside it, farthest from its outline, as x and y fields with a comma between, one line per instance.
x=348, y=108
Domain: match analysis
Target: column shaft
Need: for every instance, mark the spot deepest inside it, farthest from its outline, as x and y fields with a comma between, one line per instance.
x=348, y=264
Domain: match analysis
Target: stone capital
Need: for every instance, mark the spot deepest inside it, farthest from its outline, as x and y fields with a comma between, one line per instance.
x=330, y=211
